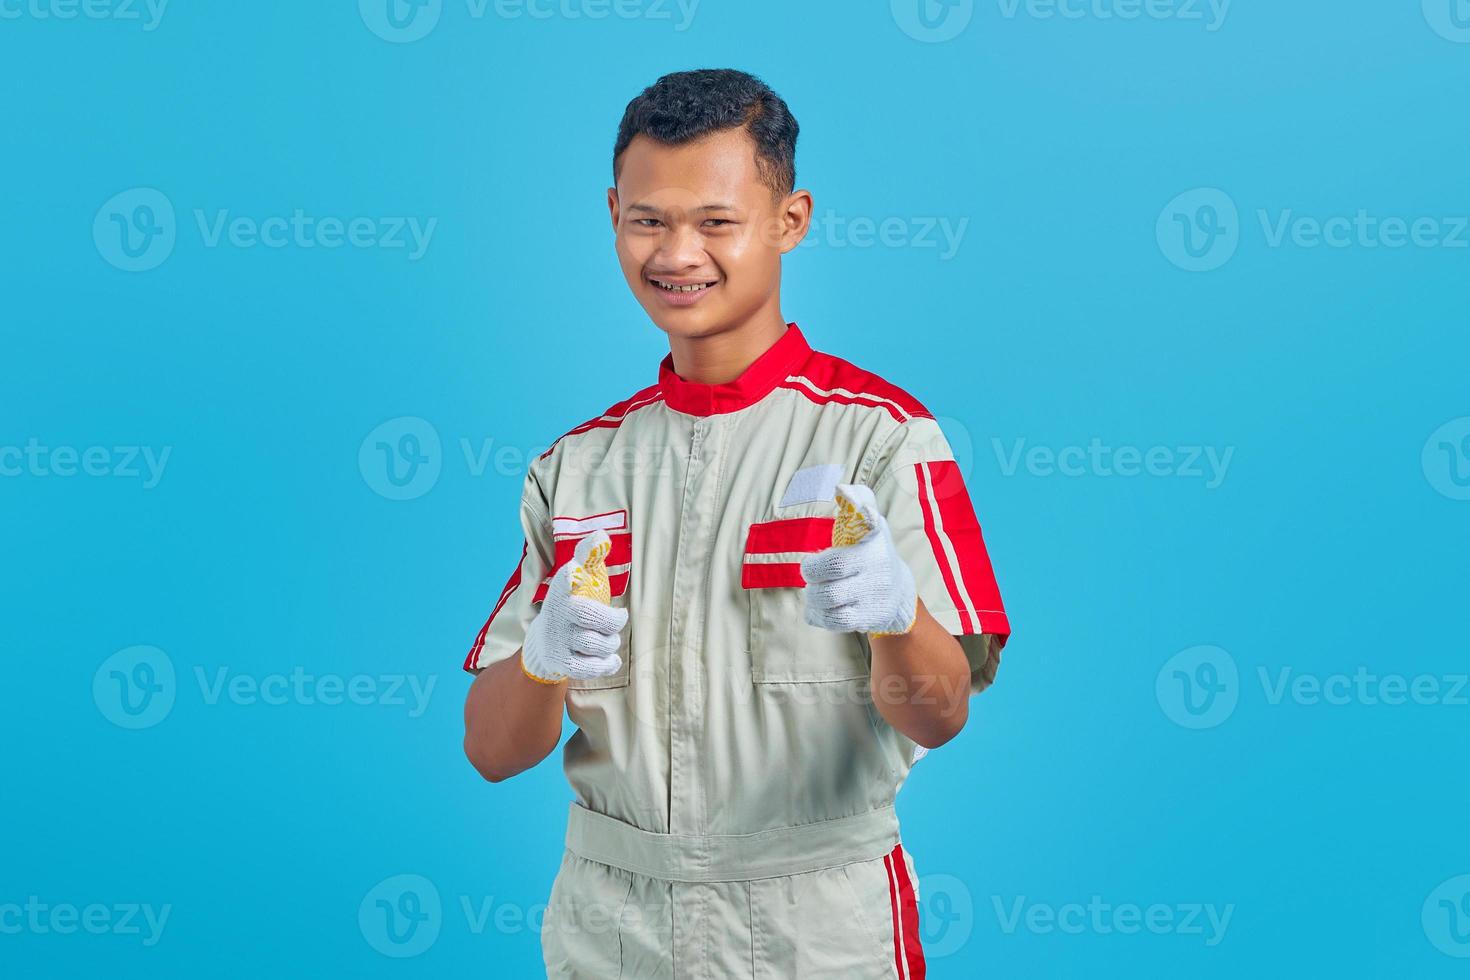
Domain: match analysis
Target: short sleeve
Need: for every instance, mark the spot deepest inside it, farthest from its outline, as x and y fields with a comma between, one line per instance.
x=922, y=495
x=514, y=608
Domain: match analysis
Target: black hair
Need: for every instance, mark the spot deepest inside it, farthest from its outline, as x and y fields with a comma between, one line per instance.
x=685, y=105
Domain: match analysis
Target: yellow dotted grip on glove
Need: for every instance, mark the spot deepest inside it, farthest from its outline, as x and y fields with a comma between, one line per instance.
x=851, y=525
x=848, y=529
x=591, y=579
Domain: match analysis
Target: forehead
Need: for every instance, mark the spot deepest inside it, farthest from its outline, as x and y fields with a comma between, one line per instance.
x=719, y=166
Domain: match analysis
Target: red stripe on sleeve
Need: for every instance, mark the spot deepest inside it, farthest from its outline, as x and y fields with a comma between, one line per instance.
x=510, y=586
x=957, y=516
x=921, y=476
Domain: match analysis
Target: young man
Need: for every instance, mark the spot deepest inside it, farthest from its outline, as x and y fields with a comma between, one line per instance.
x=796, y=603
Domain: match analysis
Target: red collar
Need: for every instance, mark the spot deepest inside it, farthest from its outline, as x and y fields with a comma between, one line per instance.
x=754, y=383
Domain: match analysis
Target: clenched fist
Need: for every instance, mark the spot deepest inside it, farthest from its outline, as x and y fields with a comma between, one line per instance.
x=860, y=584
x=576, y=632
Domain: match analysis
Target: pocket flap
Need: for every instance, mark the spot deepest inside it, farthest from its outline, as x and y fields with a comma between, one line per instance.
x=783, y=538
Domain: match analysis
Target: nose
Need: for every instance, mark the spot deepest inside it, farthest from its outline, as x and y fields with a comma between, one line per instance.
x=680, y=248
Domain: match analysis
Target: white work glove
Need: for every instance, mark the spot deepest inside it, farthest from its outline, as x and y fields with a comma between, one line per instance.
x=576, y=632
x=860, y=584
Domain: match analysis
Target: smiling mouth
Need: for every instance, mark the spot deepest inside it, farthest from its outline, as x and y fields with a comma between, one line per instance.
x=673, y=287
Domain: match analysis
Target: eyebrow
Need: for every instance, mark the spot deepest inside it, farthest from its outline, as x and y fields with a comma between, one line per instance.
x=649, y=208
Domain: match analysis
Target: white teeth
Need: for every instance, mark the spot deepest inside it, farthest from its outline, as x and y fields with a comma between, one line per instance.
x=682, y=289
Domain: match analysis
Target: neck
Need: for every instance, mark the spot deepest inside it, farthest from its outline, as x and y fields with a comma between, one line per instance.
x=717, y=358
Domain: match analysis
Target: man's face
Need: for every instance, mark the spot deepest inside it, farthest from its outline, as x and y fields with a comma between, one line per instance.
x=699, y=236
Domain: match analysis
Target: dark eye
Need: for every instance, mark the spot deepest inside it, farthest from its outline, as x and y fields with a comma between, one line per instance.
x=719, y=222
x=646, y=222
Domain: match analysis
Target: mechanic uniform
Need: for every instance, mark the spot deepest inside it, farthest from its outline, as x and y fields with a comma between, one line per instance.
x=734, y=783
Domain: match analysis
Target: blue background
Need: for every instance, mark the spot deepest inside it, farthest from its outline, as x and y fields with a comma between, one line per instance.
x=1335, y=540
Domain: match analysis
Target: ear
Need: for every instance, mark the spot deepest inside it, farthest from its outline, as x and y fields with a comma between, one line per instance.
x=795, y=215
x=612, y=207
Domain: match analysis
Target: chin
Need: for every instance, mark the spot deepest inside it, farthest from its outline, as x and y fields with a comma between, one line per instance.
x=687, y=323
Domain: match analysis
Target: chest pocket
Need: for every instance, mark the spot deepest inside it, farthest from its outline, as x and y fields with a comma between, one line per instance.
x=784, y=648
x=570, y=530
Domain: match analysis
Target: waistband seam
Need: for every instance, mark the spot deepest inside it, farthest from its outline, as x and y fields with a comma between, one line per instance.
x=775, y=832
x=725, y=857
